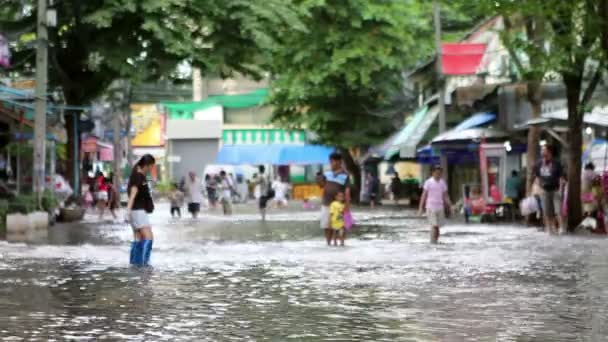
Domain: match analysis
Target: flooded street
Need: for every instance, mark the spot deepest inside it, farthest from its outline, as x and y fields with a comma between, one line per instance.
x=240, y=279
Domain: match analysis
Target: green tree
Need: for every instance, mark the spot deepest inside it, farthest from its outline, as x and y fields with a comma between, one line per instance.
x=570, y=41
x=97, y=42
x=341, y=77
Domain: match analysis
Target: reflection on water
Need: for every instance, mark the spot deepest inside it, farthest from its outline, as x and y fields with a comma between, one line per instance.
x=240, y=279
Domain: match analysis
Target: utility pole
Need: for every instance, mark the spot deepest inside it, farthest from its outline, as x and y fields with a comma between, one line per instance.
x=437, y=21
x=197, y=84
x=117, y=140
x=41, y=89
x=441, y=80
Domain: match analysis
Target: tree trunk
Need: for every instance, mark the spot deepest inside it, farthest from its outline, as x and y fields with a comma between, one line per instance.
x=70, y=116
x=534, y=91
x=355, y=170
x=575, y=139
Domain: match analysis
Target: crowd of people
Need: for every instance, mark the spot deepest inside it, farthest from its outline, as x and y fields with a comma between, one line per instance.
x=221, y=191
x=547, y=201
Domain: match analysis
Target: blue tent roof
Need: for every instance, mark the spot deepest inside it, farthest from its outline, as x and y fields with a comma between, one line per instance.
x=274, y=154
x=476, y=120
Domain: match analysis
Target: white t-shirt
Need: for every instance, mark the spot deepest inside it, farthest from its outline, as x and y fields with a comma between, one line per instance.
x=434, y=192
x=194, y=191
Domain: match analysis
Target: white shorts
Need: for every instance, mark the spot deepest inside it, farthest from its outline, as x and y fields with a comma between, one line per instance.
x=102, y=196
x=436, y=217
x=139, y=219
x=324, y=218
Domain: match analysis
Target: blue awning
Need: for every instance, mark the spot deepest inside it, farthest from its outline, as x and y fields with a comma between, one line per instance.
x=476, y=120
x=410, y=136
x=274, y=154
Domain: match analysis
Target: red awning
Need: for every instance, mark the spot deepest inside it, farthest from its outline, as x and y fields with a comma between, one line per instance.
x=461, y=58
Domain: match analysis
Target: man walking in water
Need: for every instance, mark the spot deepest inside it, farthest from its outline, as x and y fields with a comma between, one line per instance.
x=551, y=175
x=194, y=193
x=333, y=182
x=435, y=200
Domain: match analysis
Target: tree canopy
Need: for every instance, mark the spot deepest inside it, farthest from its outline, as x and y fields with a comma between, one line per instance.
x=96, y=41
x=340, y=76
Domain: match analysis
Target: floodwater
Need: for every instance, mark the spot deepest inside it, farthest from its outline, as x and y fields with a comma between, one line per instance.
x=242, y=280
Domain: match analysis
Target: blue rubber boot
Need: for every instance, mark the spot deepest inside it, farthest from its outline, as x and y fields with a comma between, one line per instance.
x=146, y=252
x=134, y=252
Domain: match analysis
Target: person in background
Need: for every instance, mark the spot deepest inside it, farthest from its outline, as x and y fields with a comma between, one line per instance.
x=477, y=202
x=265, y=191
x=226, y=191
x=307, y=205
x=139, y=206
x=113, y=196
x=251, y=187
x=334, y=181
x=588, y=195
x=280, y=193
x=88, y=197
x=372, y=186
x=336, y=218
x=435, y=200
x=101, y=193
x=211, y=187
x=176, y=199
x=194, y=193
x=512, y=188
x=551, y=176
x=495, y=195
x=396, y=187
x=235, y=192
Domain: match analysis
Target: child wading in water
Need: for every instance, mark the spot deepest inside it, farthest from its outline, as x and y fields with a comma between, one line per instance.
x=336, y=219
x=177, y=201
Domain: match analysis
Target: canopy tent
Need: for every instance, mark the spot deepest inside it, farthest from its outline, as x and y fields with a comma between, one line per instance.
x=597, y=117
x=407, y=140
x=476, y=120
x=274, y=154
x=471, y=134
x=186, y=110
x=469, y=129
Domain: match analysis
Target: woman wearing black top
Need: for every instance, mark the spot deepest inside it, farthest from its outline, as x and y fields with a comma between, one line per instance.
x=139, y=206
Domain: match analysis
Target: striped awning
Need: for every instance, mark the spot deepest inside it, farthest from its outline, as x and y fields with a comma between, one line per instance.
x=262, y=136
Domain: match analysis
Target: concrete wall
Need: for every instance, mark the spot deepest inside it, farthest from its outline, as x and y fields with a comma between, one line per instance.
x=194, y=155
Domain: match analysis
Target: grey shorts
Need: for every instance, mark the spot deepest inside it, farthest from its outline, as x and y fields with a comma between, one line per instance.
x=436, y=217
x=324, y=217
x=551, y=202
x=139, y=219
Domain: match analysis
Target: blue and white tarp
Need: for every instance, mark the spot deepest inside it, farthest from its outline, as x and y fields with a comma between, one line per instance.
x=274, y=154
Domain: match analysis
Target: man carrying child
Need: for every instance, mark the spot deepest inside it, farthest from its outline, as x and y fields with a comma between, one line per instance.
x=333, y=182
